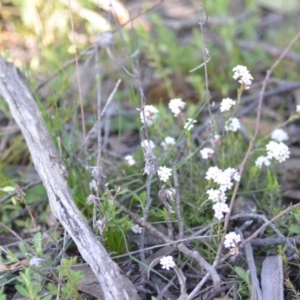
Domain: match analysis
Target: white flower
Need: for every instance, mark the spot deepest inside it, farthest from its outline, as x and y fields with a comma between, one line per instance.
x=189, y=124
x=213, y=173
x=36, y=261
x=279, y=135
x=137, y=229
x=262, y=161
x=148, y=114
x=243, y=76
x=147, y=145
x=168, y=142
x=279, y=151
x=220, y=208
x=176, y=106
x=232, y=124
x=216, y=195
x=164, y=173
x=167, y=262
x=231, y=240
x=232, y=174
x=130, y=160
x=206, y=153
x=298, y=109
x=226, y=104
x=225, y=178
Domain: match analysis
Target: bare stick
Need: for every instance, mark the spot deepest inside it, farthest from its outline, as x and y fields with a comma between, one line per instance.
x=25, y=188
x=52, y=171
x=252, y=269
x=180, y=246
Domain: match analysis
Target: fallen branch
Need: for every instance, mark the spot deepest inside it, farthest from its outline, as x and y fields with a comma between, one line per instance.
x=52, y=171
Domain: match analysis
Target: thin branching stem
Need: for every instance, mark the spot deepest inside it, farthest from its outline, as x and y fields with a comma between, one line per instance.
x=78, y=75
x=252, y=141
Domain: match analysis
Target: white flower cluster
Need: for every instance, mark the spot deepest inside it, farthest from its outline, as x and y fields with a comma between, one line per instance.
x=279, y=135
x=36, y=261
x=137, y=229
x=148, y=114
x=224, y=180
x=167, y=143
x=298, y=109
x=278, y=151
x=275, y=149
x=130, y=160
x=176, y=106
x=189, y=124
x=262, y=161
x=207, y=153
x=243, y=76
x=167, y=262
x=232, y=124
x=147, y=145
x=226, y=104
x=231, y=240
x=164, y=173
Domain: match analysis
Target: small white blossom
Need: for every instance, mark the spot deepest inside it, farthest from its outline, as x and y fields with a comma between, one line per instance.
x=223, y=178
x=189, y=124
x=148, y=114
x=232, y=174
x=147, y=145
x=137, y=229
x=225, y=181
x=279, y=151
x=168, y=142
x=164, y=173
x=231, y=240
x=207, y=153
x=176, y=106
x=130, y=160
x=167, y=262
x=226, y=104
x=216, y=195
x=232, y=124
x=298, y=109
x=220, y=208
x=262, y=161
x=36, y=261
x=243, y=76
x=279, y=135
x=213, y=173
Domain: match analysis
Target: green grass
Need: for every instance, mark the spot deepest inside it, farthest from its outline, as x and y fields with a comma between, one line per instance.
x=169, y=60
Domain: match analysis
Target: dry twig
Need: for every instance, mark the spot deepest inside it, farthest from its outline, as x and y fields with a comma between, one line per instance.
x=52, y=171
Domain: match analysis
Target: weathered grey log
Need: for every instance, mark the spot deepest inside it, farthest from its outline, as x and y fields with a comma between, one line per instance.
x=52, y=171
x=257, y=293
x=272, y=278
